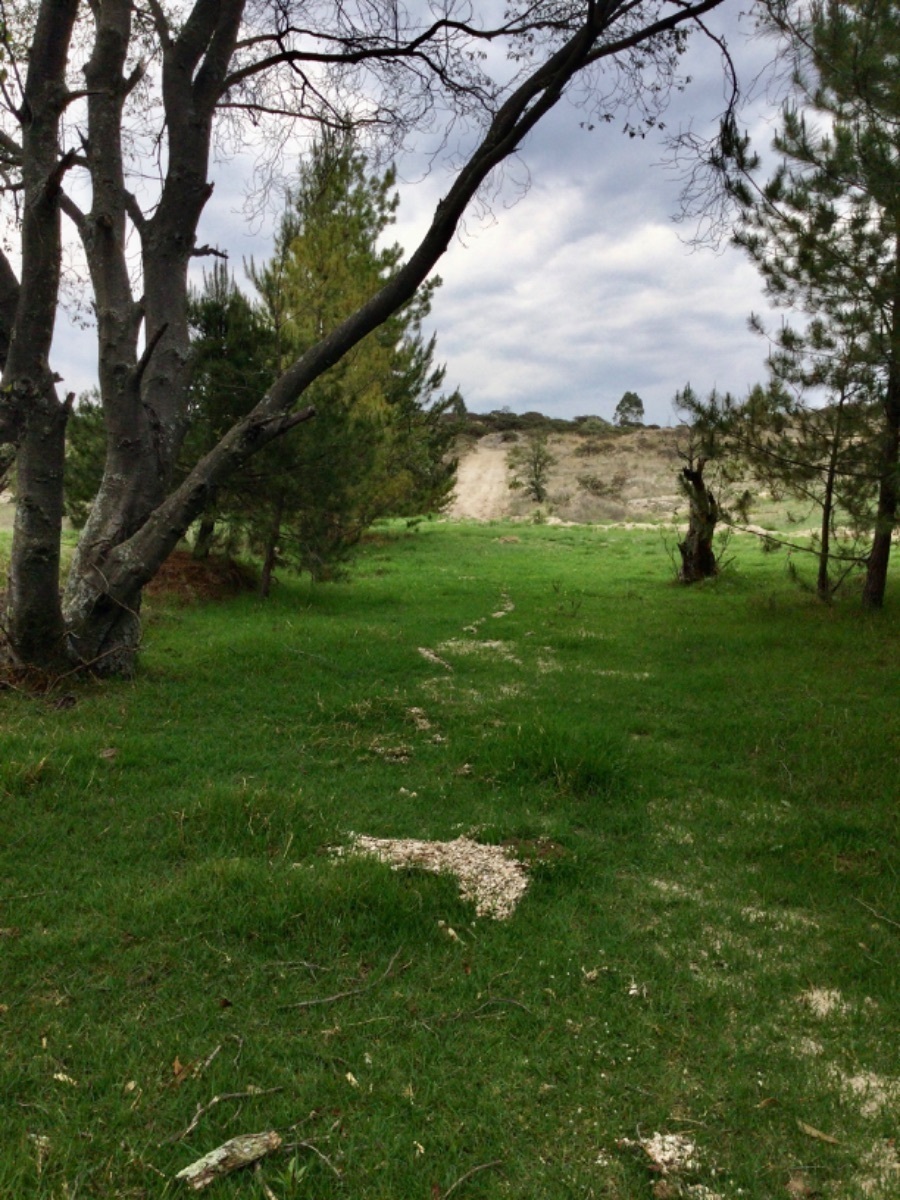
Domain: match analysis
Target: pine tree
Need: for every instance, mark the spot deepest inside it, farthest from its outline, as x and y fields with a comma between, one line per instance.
x=378, y=444
x=824, y=232
x=232, y=348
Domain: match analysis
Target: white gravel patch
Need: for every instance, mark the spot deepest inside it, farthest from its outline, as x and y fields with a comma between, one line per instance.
x=488, y=875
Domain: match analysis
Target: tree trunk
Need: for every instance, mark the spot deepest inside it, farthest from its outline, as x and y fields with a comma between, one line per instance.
x=698, y=559
x=35, y=624
x=889, y=472
x=204, y=539
x=886, y=517
x=271, y=555
x=823, y=578
x=31, y=415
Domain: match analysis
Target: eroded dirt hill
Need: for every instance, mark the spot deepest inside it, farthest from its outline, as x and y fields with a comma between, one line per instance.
x=613, y=477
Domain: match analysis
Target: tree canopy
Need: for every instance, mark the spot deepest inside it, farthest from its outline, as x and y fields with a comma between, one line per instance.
x=629, y=410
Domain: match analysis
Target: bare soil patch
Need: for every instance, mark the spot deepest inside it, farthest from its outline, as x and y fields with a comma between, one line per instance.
x=189, y=580
x=482, y=482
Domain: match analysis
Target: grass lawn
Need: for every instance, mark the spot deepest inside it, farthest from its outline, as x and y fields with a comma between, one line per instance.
x=697, y=995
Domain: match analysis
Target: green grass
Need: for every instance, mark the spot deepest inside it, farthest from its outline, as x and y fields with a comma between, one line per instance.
x=703, y=780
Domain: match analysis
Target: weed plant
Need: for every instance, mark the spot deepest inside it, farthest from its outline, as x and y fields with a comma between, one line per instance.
x=703, y=783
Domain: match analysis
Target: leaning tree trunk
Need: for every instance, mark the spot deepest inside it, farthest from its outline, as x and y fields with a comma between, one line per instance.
x=698, y=558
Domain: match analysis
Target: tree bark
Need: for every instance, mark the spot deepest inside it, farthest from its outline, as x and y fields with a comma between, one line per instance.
x=823, y=577
x=886, y=516
x=698, y=558
x=204, y=539
x=36, y=629
x=31, y=414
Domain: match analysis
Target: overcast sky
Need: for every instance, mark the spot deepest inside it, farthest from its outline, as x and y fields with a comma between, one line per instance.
x=566, y=296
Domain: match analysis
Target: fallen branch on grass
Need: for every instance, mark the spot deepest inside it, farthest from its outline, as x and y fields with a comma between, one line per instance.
x=230, y=1156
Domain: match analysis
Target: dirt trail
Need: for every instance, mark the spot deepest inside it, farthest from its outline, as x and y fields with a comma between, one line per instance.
x=482, y=490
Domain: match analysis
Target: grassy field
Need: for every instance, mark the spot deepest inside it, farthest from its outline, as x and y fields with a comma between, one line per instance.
x=695, y=997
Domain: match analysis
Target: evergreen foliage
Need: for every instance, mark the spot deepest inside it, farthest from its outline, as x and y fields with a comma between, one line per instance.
x=85, y=452
x=530, y=463
x=629, y=410
x=824, y=232
x=379, y=443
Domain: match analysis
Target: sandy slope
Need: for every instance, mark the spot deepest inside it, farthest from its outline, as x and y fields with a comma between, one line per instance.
x=640, y=469
x=482, y=483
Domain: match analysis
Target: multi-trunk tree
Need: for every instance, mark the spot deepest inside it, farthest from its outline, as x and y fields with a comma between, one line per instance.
x=824, y=232
x=109, y=115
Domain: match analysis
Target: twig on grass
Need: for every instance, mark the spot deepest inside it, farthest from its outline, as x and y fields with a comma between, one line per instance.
x=203, y=1109
x=351, y=991
x=503, y=974
x=461, y=1014
x=315, y=1150
x=876, y=913
x=266, y=1190
x=497, y=1162
x=296, y=964
x=198, y=1071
